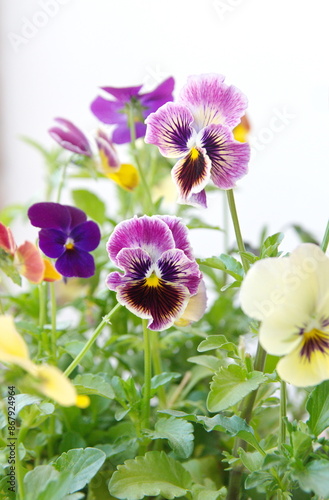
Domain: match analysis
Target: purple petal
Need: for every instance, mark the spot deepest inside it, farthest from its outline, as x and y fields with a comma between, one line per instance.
x=211, y=101
x=179, y=232
x=192, y=173
x=106, y=147
x=229, y=158
x=86, y=236
x=108, y=111
x=198, y=199
x=52, y=242
x=135, y=262
x=49, y=215
x=159, y=96
x=72, y=138
x=76, y=263
x=149, y=233
x=161, y=304
x=121, y=134
x=123, y=94
x=77, y=215
x=175, y=267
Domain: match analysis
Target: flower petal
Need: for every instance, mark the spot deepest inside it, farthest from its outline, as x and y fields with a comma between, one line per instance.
x=30, y=262
x=192, y=173
x=229, y=158
x=195, y=308
x=55, y=385
x=175, y=267
x=211, y=101
x=198, y=199
x=127, y=177
x=52, y=242
x=50, y=273
x=7, y=242
x=75, y=263
x=301, y=372
x=279, y=334
x=179, y=232
x=123, y=94
x=121, y=134
x=242, y=130
x=149, y=233
x=77, y=216
x=170, y=129
x=12, y=344
x=48, y=215
x=161, y=304
x=107, y=152
x=108, y=111
x=71, y=137
x=159, y=96
x=86, y=236
x=135, y=262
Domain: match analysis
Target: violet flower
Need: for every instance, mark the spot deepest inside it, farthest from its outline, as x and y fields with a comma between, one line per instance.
x=67, y=236
x=70, y=137
x=197, y=130
x=160, y=273
x=116, y=112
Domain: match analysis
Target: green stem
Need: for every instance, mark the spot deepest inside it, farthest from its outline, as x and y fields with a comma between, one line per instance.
x=62, y=181
x=147, y=376
x=157, y=366
x=237, y=230
x=90, y=342
x=150, y=205
x=325, y=241
x=43, y=344
x=283, y=413
x=53, y=321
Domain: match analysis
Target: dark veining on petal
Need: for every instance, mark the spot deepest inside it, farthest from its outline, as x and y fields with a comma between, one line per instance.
x=314, y=340
x=192, y=171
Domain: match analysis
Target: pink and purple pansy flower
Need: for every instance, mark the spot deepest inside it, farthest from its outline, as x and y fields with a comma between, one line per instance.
x=67, y=236
x=70, y=137
x=160, y=274
x=197, y=130
x=116, y=111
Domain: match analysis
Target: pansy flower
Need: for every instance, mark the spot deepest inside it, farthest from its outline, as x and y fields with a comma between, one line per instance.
x=67, y=236
x=49, y=380
x=197, y=130
x=70, y=137
x=290, y=296
x=125, y=175
x=25, y=258
x=160, y=274
x=116, y=111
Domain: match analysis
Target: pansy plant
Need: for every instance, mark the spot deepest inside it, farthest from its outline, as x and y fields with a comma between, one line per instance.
x=197, y=130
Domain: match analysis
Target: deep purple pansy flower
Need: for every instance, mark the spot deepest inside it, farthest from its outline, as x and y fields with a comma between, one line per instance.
x=70, y=137
x=197, y=130
x=160, y=274
x=115, y=111
x=67, y=236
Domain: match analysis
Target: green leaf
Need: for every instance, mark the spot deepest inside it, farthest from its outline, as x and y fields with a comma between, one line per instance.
x=200, y=492
x=196, y=223
x=83, y=464
x=162, y=379
x=253, y=461
x=44, y=482
x=314, y=478
x=90, y=203
x=301, y=444
x=216, y=342
x=232, y=266
x=10, y=213
x=23, y=400
x=210, y=362
x=8, y=267
x=230, y=385
x=318, y=407
x=178, y=432
x=93, y=384
x=271, y=245
x=151, y=475
x=213, y=262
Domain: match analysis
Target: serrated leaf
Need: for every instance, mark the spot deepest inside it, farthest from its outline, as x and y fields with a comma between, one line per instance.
x=89, y=383
x=270, y=245
x=90, y=203
x=232, y=266
x=208, y=361
x=314, y=478
x=178, y=432
x=216, y=342
x=230, y=385
x=83, y=464
x=253, y=461
x=151, y=475
x=318, y=407
x=200, y=492
x=45, y=482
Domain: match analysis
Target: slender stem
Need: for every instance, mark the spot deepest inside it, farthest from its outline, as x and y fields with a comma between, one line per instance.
x=283, y=413
x=90, y=342
x=157, y=365
x=19, y=472
x=62, y=181
x=53, y=321
x=131, y=120
x=226, y=225
x=237, y=230
x=147, y=376
x=43, y=344
x=325, y=241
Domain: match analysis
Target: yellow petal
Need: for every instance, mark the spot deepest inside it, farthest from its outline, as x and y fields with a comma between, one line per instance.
x=241, y=131
x=106, y=167
x=50, y=273
x=13, y=348
x=301, y=372
x=82, y=401
x=195, y=308
x=55, y=385
x=126, y=177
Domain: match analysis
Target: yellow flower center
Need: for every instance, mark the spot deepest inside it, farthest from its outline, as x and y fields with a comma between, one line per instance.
x=69, y=245
x=194, y=154
x=153, y=280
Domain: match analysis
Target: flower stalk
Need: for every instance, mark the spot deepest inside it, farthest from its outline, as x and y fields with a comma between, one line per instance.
x=147, y=376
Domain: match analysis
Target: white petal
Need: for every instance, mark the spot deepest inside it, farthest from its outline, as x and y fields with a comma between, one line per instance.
x=297, y=370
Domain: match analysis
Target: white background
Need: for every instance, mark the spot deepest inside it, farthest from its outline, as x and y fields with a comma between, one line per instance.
x=275, y=52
